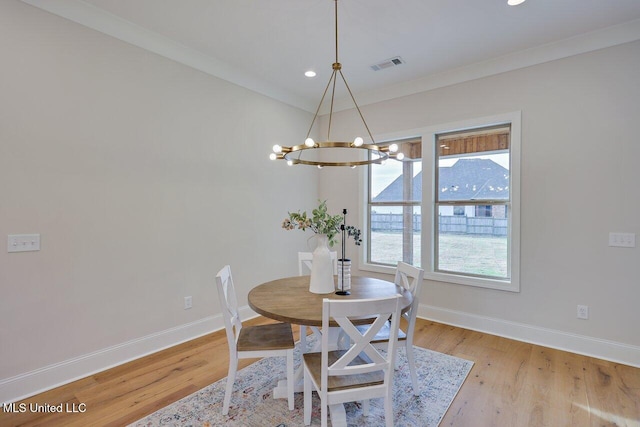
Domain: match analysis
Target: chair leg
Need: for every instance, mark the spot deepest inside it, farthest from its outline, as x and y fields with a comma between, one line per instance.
x=412, y=369
x=324, y=412
x=303, y=339
x=307, y=398
x=365, y=407
x=231, y=378
x=388, y=411
x=290, y=379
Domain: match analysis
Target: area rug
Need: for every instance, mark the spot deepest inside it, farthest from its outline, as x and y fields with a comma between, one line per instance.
x=440, y=377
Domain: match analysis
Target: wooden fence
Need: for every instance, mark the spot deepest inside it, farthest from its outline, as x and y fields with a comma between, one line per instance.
x=457, y=224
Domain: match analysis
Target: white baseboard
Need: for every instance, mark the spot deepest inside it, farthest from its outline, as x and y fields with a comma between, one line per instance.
x=43, y=379
x=574, y=343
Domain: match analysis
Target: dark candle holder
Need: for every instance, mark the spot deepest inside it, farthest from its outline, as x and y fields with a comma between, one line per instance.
x=342, y=259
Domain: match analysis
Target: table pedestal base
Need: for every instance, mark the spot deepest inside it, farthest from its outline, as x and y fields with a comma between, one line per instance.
x=280, y=392
x=337, y=411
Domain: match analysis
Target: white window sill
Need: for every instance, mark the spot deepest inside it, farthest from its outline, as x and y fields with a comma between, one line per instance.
x=377, y=268
x=502, y=285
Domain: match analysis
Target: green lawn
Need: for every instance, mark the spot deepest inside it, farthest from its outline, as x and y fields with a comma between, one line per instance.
x=481, y=255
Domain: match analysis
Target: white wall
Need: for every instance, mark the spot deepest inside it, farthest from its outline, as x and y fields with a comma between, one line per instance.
x=143, y=177
x=580, y=176
x=113, y=155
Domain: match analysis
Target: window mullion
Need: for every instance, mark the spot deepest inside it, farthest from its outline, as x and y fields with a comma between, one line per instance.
x=407, y=212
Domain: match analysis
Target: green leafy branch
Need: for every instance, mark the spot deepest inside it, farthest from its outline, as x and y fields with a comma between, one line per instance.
x=321, y=222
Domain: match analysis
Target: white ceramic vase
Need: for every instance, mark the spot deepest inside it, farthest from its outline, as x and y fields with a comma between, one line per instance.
x=321, y=267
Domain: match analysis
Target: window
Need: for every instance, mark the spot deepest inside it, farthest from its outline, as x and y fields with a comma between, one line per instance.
x=472, y=174
x=395, y=194
x=453, y=207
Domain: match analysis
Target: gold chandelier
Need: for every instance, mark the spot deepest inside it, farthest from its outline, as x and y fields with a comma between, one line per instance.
x=296, y=154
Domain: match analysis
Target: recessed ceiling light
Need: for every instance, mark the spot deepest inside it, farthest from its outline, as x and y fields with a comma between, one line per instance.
x=310, y=73
x=515, y=2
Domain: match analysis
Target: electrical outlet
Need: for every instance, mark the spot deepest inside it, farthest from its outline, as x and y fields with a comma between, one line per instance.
x=188, y=303
x=583, y=312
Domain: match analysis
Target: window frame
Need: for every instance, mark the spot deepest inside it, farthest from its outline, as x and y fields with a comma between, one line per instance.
x=429, y=168
x=410, y=204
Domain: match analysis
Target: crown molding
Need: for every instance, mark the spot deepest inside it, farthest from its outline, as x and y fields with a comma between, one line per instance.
x=97, y=19
x=588, y=42
x=92, y=17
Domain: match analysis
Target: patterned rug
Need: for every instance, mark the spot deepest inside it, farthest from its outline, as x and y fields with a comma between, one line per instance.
x=440, y=377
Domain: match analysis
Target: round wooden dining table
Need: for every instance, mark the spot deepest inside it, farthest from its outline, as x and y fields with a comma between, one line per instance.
x=289, y=300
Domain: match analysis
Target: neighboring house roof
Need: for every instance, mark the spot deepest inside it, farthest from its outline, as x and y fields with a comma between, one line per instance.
x=467, y=179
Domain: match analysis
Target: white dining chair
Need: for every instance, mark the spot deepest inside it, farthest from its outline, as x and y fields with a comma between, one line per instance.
x=410, y=278
x=305, y=261
x=358, y=373
x=246, y=342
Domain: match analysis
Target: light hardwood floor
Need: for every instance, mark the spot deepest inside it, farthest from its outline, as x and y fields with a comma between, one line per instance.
x=511, y=384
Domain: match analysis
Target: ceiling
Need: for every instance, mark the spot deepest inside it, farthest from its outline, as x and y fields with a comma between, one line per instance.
x=267, y=45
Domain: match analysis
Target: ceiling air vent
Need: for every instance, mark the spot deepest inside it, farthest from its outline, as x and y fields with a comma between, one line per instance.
x=387, y=63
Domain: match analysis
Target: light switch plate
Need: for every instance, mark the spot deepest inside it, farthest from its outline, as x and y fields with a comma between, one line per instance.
x=622, y=240
x=23, y=242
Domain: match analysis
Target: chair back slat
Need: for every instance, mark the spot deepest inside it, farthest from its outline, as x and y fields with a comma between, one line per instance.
x=361, y=357
x=410, y=278
x=229, y=306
